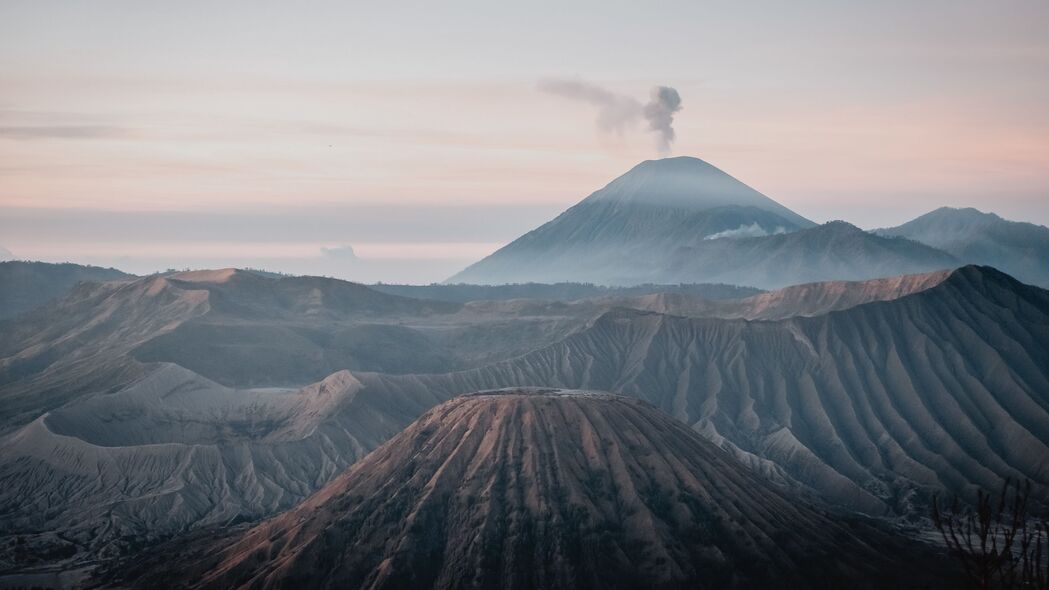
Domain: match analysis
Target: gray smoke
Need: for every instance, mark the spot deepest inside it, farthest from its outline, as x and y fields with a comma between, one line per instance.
x=659, y=112
x=617, y=112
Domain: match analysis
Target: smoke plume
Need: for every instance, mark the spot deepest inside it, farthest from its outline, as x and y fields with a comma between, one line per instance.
x=659, y=112
x=618, y=112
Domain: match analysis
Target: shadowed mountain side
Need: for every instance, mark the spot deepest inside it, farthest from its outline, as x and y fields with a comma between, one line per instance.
x=78, y=344
x=242, y=329
x=974, y=237
x=28, y=285
x=105, y=475
x=874, y=407
x=830, y=252
x=546, y=489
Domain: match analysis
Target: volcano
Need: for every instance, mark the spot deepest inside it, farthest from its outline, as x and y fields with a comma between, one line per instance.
x=533, y=488
x=683, y=220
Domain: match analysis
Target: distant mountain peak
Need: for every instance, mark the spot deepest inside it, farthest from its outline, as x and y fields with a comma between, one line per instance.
x=1018, y=248
x=844, y=227
x=965, y=210
x=961, y=213
x=976, y=274
x=680, y=164
x=690, y=183
x=676, y=161
x=628, y=231
x=28, y=285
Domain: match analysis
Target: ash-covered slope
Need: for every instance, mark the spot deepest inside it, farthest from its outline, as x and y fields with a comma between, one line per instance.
x=80, y=343
x=810, y=299
x=106, y=474
x=28, y=285
x=974, y=237
x=617, y=233
x=875, y=407
x=544, y=489
x=245, y=330
x=264, y=331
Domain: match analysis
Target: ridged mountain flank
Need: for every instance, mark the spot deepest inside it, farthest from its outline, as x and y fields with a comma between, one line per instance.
x=545, y=489
x=809, y=299
x=682, y=220
x=233, y=326
x=877, y=407
x=974, y=237
x=892, y=391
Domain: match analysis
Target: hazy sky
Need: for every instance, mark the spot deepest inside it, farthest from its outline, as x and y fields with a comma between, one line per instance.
x=157, y=134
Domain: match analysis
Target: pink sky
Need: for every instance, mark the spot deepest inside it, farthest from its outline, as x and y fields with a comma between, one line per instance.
x=870, y=114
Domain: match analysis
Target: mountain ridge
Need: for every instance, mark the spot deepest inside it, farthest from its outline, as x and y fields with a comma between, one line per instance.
x=656, y=205
x=807, y=299
x=838, y=403
x=687, y=182
x=27, y=285
x=835, y=406
x=552, y=489
x=681, y=220
x=972, y=236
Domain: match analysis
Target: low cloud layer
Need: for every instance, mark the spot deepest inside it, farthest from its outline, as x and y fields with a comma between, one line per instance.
x=619, y=112
x=745, y=231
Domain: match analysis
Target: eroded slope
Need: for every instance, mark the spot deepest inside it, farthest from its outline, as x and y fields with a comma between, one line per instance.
x=546, y=489
x=875, y=407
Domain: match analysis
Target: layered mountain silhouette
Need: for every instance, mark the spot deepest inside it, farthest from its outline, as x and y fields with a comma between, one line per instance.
x=28, y=285
x=246, y=329
x=974, y=237
x=682, y=220
x=545, y=489
x=655, y=208
x=242, y=329
x=872, y=395
x=833, y=251
x=777, y=391
x=877, y=406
